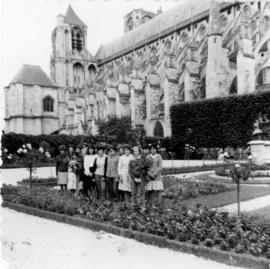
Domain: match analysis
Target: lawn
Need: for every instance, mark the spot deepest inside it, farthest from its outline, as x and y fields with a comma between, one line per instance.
x=265, y=212
x=222, y=199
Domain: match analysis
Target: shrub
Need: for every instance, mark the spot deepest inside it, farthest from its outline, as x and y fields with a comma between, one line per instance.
x=239, y=248
x=224, y=245
x=218, y=122
x=222, y=171
x=209, y=243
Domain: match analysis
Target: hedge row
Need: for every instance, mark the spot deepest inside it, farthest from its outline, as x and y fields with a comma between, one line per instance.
x=13, y=141
x=218, y=122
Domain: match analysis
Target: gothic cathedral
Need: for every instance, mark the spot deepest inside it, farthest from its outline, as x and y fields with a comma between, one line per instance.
x=197, y=50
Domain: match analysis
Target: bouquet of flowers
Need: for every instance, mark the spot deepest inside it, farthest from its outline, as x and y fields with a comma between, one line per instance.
x=139, y=168
x=147, y=169
x=75, y=166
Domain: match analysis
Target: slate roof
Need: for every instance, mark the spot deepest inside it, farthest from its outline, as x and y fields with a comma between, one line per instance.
x=32, y=75
x=72, y=18
x=164, y=23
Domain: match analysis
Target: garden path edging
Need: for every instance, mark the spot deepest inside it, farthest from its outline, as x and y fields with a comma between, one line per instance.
x=230, y=258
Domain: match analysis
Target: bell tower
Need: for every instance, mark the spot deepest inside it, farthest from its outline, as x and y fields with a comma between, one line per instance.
x=73, y=69
x=68, y=39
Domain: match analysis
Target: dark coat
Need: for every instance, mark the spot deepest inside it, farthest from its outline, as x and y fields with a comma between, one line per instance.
x=62, y=163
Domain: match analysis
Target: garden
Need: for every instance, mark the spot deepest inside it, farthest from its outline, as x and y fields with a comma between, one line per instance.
x=199, y=226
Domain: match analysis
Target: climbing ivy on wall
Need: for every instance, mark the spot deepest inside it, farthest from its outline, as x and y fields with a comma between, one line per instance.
x=218, y=122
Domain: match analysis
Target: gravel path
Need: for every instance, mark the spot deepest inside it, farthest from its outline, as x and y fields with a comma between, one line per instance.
x=34, y=243
x=249, y=205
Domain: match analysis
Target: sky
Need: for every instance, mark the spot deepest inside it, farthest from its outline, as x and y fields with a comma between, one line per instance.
x=26, y=27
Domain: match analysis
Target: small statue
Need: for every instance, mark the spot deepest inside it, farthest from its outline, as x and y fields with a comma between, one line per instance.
x=257, y=133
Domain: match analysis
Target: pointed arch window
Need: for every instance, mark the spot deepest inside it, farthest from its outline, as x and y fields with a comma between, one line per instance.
x=77, y=38
x=158, y=130
x=48, y=103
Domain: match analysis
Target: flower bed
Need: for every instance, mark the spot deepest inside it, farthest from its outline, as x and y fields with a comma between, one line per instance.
x=50, y=182
x=208, y=228
x=180, y=189
x=256, y=171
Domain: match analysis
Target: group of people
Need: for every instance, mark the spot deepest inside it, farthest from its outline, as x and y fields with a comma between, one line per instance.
x=116, y=173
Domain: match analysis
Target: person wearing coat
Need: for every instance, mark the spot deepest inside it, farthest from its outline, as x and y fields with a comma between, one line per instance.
x=123, y=171
x=137, y=175
x=62, y=161
x=154, y=185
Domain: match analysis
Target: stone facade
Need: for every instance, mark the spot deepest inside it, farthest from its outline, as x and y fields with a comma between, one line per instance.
x=32, y=103
x=26, y=114
x=213, y=54
x=200, y=49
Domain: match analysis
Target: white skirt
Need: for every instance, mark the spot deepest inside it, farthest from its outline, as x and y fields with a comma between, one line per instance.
x=62, y=178
x=71, y=185
x=125, y=185
x=154, y=185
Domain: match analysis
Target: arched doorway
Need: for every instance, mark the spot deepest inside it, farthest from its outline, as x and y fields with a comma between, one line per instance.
x=233, y=87
x=158, y=130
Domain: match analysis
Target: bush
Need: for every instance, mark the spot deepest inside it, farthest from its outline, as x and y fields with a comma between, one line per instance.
x=218, y=122
x=51, y=181
x=13, y=141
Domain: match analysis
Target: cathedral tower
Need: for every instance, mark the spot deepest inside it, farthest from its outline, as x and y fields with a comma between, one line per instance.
x=73, y=69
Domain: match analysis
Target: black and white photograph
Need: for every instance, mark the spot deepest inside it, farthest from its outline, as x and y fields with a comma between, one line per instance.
x=135, y=134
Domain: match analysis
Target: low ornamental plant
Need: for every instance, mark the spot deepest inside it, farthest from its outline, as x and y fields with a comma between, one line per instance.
x=50, y=181
x=210, y=228
x=239, y=173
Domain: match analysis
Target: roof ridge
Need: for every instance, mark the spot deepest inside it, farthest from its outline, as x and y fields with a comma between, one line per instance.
x=161, y=25
x=72, y=18
x=32, y=75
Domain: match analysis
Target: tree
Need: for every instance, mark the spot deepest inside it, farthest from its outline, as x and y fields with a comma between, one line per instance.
x=118, y=129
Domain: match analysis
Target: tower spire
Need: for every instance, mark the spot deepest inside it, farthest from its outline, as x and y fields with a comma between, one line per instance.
x=72, y=18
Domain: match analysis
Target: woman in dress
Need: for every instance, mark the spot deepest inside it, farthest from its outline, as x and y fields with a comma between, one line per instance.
x=89, y=177
x=123, y=171
x=155, y=184
x=74, y=169
x=62, y=168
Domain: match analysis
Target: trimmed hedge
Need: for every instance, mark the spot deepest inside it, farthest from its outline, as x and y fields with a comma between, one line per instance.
x=13, y=141
x=218, y=122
